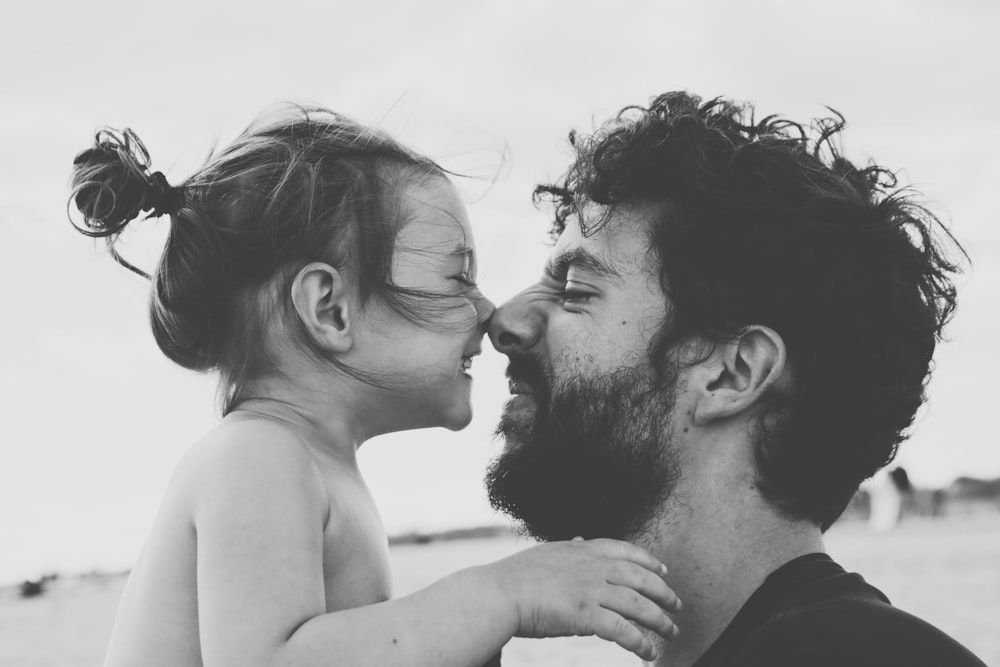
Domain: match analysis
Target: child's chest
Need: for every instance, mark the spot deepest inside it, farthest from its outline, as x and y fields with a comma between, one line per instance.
x=356, y=559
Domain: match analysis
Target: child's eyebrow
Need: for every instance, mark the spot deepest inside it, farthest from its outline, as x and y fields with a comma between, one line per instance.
x=560, y=265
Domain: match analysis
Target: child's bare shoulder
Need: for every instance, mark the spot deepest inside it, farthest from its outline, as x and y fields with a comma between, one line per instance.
x=249, y=461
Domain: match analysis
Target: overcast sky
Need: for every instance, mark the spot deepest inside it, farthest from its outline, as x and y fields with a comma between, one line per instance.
x=94, y=419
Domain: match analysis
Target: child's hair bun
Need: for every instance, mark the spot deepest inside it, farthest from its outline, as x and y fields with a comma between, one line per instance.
x=112, y=184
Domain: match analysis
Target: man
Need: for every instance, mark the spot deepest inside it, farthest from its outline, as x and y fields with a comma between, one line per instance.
x=733, y=331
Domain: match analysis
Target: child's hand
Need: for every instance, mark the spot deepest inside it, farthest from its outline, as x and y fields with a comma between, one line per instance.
x=599, y=587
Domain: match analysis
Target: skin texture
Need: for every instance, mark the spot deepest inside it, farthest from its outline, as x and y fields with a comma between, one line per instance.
x=718, y=534
x=268, y=548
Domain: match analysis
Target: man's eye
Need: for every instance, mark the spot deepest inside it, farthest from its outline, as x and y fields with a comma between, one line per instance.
x=572, y=296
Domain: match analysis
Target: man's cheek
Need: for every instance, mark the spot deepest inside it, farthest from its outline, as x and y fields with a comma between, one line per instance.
x=578, y=356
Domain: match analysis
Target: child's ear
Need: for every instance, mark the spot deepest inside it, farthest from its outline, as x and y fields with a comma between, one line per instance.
x=323, y=301
x=739, y=373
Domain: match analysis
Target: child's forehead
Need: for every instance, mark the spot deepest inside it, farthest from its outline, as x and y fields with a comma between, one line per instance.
x=425, y=249
x=437, y=220
x=444, y=236
x=436, y=245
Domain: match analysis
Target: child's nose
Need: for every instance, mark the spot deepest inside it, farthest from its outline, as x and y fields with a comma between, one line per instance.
x=484, y=310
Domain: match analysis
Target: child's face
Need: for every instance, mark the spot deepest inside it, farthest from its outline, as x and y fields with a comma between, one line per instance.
x=427, y=368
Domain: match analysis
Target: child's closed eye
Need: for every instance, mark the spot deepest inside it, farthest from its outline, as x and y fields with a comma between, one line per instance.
x=464, y=279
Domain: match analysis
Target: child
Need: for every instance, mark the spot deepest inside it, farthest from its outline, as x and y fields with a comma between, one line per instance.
x=328, y=274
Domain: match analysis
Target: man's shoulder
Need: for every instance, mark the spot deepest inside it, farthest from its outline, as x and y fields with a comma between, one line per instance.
x=855, y=630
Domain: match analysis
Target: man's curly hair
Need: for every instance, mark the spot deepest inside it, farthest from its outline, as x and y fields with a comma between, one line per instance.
x=764, y=222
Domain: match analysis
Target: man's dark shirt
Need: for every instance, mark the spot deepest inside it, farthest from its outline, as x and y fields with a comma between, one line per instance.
x=811, y=613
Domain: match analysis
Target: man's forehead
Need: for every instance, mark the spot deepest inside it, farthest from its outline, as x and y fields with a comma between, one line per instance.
x=608, y=244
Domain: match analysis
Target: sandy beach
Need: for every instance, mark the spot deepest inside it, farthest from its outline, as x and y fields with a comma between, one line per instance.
x=946, y=571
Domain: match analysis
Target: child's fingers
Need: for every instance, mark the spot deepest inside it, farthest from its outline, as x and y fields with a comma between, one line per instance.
x=614, y=628
x=634, y=607
x=649, y=584
x=630, y=552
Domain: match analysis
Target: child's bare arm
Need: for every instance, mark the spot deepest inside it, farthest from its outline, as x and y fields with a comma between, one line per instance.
x=554, y=590
x=260, y=518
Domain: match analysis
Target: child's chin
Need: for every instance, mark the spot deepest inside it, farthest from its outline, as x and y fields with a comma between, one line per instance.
x=459, y=418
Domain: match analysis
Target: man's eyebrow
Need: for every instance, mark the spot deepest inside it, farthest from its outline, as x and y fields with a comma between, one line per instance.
x=559, y=266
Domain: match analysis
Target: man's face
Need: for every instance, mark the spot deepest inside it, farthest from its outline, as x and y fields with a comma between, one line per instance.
x=587, y=431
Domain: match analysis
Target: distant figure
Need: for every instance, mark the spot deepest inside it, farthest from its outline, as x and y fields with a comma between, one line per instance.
x=886, y=500
x=938, y=499
x=30, y=589
x=901, y=480
x=908, y=495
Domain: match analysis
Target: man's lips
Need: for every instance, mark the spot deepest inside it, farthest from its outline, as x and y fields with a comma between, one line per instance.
x=519, y=387
x=526, y=378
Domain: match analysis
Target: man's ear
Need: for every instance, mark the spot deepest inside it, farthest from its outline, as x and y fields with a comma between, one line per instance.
x=739, y=373
x=322, y=299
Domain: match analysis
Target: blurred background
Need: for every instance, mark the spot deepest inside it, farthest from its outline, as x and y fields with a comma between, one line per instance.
x=94, y=419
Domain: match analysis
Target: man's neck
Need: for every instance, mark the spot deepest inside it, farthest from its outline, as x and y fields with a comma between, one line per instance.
x=719, y=551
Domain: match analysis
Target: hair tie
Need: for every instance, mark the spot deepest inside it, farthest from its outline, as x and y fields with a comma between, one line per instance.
x=160, y=197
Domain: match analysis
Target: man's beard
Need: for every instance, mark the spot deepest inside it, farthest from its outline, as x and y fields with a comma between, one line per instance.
x=594, y=459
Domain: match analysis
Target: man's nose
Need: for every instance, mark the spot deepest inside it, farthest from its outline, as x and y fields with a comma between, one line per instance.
x=515, y=327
